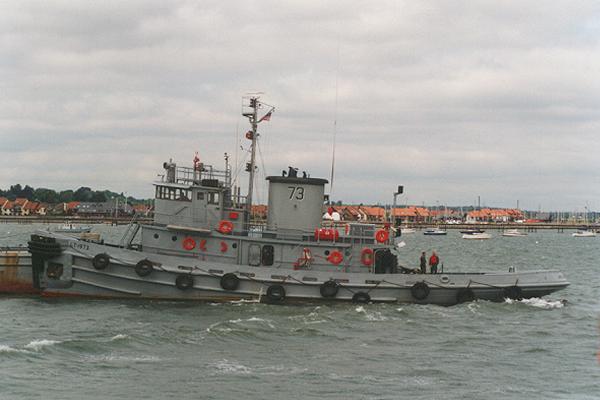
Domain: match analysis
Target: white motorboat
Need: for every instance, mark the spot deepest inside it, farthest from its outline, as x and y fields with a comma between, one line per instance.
x=513, y=233
x=477, y=236
x=70, y=227
x=407, y=230
x=434, y=232
x=584, y=234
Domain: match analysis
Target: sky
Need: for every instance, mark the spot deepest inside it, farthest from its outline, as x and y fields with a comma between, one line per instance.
x=454, y=100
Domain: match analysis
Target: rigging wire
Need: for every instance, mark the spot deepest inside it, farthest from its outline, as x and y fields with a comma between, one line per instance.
x=335, y=116
x=262, y=164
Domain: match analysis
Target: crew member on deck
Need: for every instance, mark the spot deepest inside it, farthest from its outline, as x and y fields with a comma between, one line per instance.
x=423, y=263
x=433, y=262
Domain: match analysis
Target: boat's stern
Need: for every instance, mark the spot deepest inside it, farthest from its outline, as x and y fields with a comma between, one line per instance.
x=49, y=260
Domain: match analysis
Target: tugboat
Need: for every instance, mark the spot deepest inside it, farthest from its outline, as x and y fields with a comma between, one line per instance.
x=202, y=245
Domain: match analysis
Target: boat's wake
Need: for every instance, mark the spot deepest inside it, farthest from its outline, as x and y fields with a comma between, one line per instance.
x=539, y=303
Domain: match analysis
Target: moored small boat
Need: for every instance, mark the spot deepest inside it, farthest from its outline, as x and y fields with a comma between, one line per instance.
x=434, y=232
x=477, y=236
x=472, y=230
x=70, y=227
x=584, y=233
x=513, y=233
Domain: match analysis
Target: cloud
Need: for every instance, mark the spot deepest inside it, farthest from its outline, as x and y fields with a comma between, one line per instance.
x=453, y=99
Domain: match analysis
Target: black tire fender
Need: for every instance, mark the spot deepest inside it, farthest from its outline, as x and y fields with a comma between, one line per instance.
x=420, y=290
x=276, y=293
x=513, y=292
x=144, y=268
x=465, y=295
x=230, y=282
x=361, y=297
x=329, y=288
x=101, y=261
x=184, y=281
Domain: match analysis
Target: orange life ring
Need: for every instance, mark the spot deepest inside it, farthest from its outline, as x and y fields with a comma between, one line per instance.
x=366, y=256
x=225, y=227
x=224, y=247
x=335, y=257
x=188, y=243
x=382, y=236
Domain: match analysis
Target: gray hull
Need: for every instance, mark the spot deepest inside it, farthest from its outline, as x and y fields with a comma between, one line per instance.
x=205, y=281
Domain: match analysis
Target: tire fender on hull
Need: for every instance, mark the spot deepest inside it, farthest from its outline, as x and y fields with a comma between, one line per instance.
x=465, y=295
x=230, y=282
x=513, y=293
x=420, y=290
x=275, y=293
x=361, y=297
x=329, y=289
x=184, y=281
x=101, y=261
x=144, y=268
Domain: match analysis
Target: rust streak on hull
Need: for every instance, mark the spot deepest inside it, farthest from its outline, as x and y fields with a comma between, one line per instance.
x=13, y=276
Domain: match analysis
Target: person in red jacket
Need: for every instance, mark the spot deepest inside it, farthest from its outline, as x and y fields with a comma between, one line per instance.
x=434, y=260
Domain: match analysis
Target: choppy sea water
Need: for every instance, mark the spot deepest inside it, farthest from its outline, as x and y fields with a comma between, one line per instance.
x=531, y=349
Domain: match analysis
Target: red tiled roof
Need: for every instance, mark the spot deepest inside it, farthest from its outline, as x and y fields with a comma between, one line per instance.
x=32, y=206
x=411, y=211
x=71, y=205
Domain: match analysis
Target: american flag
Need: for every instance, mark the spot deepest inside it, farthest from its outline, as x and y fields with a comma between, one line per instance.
x=267, y=117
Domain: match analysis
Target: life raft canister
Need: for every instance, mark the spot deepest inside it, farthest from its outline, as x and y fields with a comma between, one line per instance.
x=335, y=257
x=188, y=243
x=225, y=227
x=327, y=234
x=382, y=236
x=366, y=257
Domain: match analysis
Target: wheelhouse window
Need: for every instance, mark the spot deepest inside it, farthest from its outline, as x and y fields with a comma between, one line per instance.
x=170, y=193
x=213, y=198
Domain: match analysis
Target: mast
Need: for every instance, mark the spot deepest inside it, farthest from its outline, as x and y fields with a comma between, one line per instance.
x=250, y=111
x=252, y=114
x=254, y=136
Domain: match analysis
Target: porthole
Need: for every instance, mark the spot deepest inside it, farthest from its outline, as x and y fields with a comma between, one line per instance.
x=234, y=245
x=326, y=252
x=174, y=238
x=156, y=236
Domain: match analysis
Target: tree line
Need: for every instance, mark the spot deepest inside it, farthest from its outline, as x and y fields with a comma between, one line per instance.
x=44, y=195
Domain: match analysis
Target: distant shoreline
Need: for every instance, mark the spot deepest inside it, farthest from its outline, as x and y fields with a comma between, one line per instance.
x=61, y=219
x=58, y=219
